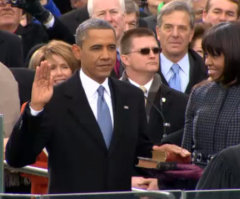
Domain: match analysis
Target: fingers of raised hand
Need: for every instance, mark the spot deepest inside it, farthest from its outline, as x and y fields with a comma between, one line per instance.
x=43, y=72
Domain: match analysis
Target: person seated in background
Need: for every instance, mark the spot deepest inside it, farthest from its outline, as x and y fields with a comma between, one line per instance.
x=165, y=107
x=32, y=34
x=196, y=43
x=212, y=115
x=218, y=11
x=198, y=7
x=60, y=57
x=132, y=16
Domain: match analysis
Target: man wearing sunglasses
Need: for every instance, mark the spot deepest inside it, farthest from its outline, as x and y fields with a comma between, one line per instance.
x=164, y=106
x=181, y=67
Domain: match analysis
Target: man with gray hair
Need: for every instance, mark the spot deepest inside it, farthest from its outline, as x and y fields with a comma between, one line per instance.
x=92, y=125
x=181, y=67
x=112, y=11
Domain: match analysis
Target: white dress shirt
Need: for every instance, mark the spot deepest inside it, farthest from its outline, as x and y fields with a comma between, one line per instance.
x=90, y=87
x=147, y=85
x=184, y=71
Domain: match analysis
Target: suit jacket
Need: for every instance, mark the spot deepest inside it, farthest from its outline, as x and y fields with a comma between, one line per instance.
x=198, y=71
x=212, y=120
x=75, y=17
x=171, y=111
x=78, y=158
x=11, y=52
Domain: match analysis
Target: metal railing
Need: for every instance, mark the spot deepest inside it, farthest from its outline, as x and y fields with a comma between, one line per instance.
x=28, y=169
x=3, y=164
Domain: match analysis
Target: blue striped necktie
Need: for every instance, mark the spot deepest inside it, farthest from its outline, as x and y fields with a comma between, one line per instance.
x=104, y=117
x=175, y=81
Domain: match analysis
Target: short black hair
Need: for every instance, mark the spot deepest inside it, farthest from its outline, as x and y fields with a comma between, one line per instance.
x=224, y=38
x=92, y=23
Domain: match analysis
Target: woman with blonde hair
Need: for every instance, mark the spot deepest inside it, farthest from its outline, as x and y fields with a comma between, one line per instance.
x=59, y=55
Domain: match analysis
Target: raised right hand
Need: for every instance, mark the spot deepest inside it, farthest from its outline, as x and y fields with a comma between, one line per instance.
x=42, y=88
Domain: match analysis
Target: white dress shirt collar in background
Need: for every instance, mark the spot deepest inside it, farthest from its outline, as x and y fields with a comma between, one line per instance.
x=184, y=71
x=147, y=85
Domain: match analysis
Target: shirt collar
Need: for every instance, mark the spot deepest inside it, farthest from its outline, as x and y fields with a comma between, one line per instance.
x=168, y=64
x=90, y=86
x=147, y=85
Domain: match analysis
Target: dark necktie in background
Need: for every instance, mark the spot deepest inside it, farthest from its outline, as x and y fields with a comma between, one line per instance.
x=104, y=117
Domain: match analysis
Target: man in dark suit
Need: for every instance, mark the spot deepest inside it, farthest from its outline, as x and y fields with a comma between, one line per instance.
x=164, y=106
x=181, y=68
x=67, y=120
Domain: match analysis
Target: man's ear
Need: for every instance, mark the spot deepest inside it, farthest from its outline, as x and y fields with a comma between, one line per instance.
x=76, y=51
x=125, y=60
x=157, y=32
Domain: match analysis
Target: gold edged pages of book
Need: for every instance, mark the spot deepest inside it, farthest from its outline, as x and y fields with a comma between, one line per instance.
x=157, y=162
x=152, y=163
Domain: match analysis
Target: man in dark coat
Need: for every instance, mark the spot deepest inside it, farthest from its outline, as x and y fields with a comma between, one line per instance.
x=175, y=28
x=66, y=121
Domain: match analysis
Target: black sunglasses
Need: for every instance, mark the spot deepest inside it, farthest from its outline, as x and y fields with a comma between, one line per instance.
x=146, y=51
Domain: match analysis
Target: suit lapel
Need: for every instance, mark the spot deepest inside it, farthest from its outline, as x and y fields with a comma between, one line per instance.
x=118, y=108
x=152, y=92
x=192, y=74
x=80, y=109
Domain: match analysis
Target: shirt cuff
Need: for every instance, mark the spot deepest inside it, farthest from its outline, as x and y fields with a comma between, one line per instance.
x=34, y=112
x=50, y=22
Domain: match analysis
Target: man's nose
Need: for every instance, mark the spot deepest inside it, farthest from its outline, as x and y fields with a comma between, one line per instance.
x=223, y=17
x=108, y=17
x=105, y=53
x=175, y=32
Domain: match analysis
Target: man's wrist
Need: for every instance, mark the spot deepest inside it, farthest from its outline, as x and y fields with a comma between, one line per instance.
x=36, y=107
